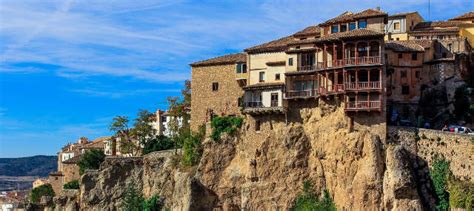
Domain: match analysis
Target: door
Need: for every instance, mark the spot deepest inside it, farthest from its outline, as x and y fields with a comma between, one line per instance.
x=274, y=100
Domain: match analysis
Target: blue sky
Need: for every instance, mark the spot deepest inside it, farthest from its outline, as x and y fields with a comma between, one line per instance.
x=67, y=67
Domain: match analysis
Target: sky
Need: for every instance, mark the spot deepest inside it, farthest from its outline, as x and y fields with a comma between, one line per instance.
x=67, y=67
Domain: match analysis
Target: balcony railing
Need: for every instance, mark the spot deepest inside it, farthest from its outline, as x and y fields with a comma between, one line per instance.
x=367, y=85
x=301, y=93
x=362, y=60
x=316, y=66
x=253, y=104
x=363, y=105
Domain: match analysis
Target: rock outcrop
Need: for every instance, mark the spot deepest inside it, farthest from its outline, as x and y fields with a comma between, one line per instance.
x=265, y=170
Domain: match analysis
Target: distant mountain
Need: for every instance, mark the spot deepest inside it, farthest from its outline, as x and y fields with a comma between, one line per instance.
x=39, y=165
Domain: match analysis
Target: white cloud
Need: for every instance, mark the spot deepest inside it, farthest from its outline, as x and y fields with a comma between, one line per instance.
x=122, y=93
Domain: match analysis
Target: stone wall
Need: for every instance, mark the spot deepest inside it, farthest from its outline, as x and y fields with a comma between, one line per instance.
x=426, y=144
x=71, y=172
x=56, y=182
x=222, y=102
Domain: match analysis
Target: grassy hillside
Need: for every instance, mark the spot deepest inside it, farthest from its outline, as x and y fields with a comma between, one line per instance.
x=28, y=166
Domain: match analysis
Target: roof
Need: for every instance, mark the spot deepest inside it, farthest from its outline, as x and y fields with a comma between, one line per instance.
x=312, y=30
x=356, y=33
x=402, y=14
x=349, y=16
x=272, y=46
x=96, y=144
x=468, y=15
x=73, y=160
x=404, y=46
x=222, y=60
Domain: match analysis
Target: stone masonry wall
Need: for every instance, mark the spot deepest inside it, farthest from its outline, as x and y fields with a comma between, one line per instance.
x=457, y=148
x=71, y=172
x=224, y=101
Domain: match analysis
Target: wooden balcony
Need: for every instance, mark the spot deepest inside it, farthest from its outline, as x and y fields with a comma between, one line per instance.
x=295, y=94
x=363, y=105
x=253, y=104
x=317, y=66
x=366, y=60
x=363, y=86
x=331, y=89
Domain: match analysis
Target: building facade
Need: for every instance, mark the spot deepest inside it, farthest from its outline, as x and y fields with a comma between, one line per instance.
x=399, y=25
x=217, y=88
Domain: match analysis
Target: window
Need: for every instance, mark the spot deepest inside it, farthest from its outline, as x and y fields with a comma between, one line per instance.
x=396, y=26
x=405, y=90
x=334, y=29
x=215, y=86
x=418, y=37
x=257, y=125
x=444, y=55
x=241, y=68
x=274, y=100
x=362, y=24
x=307, y=59
x=403, y=74
x=450, y=47
x=277, y=77
x=398, y=38
x=303, y=38
x=417, y=74
x=261, y=77
x=343, y=27
x=414, y=56
x=400, y=55
x=239, y=101
x=163, y=118
x=290, y=62
x=352, y=26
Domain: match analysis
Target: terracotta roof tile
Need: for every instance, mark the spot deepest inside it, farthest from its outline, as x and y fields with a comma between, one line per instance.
x=404, y=46
x=349, y=16
x=222, y=60
x=272, y=46
x=402, y=14
x=312, y=30
x=463, y=16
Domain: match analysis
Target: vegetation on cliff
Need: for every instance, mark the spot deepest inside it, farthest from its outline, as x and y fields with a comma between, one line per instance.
x=157, y=144
x=40, y=191
x=308, y=200
x=225, y=124
x=134, y=201
x=71, y=185
x=91, y=159
x=192, y=147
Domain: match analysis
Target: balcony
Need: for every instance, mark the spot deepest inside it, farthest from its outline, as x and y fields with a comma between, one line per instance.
x=254, y=104
x=366, y=60
x=294, y=94
x=360, y=86
x=306, y=68
x=363, y=105
x=331, y=89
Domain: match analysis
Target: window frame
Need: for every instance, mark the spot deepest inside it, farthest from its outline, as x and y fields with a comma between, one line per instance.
x=403, y=74
x=362, y=21
x=277, y=77
x=405, y=90
x=261, y=76
x=395, y=24
x=343, y=26
x=414, y=56
x=290, y=61
x=334, y=29
x=352, y=24
x=215, y=86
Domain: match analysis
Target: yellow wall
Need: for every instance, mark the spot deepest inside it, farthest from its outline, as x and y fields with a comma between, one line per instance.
x=403, y=36
x=258, y=63
x=468, y=32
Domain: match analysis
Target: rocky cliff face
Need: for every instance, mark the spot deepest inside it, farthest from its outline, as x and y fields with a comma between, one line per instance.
x=264, y=170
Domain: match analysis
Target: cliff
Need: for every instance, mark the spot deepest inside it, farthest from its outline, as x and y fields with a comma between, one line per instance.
x=361, y=166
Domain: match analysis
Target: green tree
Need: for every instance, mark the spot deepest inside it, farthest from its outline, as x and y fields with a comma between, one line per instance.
x=133, y=200
x=157, y=144
x=120, y=127
x=439, y=174
x=91, y=159
x=71, y=185
x=142, y=127
x=308, y=200
x=40, y=191
x=225, y=124
x=152, y=204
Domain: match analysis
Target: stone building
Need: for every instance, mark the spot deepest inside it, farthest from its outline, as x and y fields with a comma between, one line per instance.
x=71, y=170
x=466, y=17
x=56, y=181
x=38, y=182
x=400, y=24
x=217, y=87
